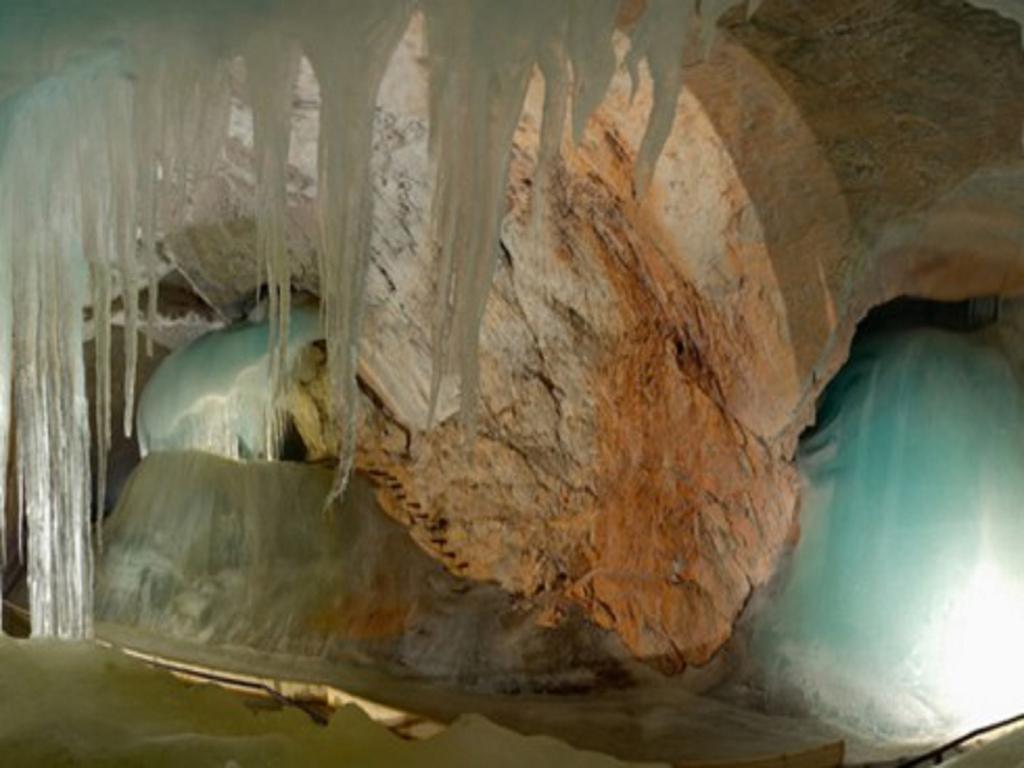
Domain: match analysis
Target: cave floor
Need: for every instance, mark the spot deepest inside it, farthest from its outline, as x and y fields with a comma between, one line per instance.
x=655, y=721
x=83, y=704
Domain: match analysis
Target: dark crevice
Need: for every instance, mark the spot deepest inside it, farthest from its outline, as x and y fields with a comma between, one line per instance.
x=908, y=312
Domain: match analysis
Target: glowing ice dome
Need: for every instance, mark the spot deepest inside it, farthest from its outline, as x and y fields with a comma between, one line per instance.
x=899, y=615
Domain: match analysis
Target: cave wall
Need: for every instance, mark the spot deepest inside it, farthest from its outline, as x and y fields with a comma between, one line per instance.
x=901, y=174
x=648, y=364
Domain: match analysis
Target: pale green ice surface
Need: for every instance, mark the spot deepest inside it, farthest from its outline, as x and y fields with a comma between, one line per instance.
x=237, y=566
x=899, y=616
x=78, y=704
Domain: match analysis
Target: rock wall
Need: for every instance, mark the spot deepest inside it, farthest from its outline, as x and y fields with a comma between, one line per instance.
x=608, y=470
x=880, y=146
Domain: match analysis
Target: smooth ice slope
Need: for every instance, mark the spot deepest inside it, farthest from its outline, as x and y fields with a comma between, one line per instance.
x=225, y=557
x=900, y=614
x=215, y=395
x=78, y=703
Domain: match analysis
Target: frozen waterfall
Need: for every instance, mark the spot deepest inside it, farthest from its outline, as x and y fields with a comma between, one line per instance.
x=899, y=615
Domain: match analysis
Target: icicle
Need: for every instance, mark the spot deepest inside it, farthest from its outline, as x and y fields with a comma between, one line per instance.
x=101, y=317
x=182, y=108
x=73, y=143
x=349, y=47
x=662, y=36
x=272, y=65
x=554, y=66
x=711, y=12
x=481, y=56
x=591, y=26
x=148, y=115
x=95, y=190
x=579, y=32
x=61, y=210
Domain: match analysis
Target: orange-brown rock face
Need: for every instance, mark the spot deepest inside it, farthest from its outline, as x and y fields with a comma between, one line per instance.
x=691, y=508
x=609, y=470
x=684, y=527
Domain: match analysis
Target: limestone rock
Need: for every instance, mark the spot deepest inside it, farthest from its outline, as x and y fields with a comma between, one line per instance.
x=607, y=470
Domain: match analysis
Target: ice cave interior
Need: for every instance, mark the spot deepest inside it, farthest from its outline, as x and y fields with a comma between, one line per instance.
x=508, y=382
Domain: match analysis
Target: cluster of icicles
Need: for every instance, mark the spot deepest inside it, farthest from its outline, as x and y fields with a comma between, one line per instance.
x=111, y=110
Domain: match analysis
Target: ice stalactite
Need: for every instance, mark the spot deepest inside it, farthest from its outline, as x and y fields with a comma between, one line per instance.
x=663, y=36
x=670, y=35
x=48, y=221
x=349, y=47
x=592, y=54
x=272, y=66
x=576, y=58
x=6, y=355
x=107, y=241
x=182, y=108
x=481, y=57
x=92, y=152
x=554, y=67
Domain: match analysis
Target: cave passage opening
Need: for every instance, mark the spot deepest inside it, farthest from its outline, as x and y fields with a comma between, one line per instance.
x=896, y=617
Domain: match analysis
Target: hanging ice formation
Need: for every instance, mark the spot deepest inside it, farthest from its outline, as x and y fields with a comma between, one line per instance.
x=43, y=234
x=111, y=109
